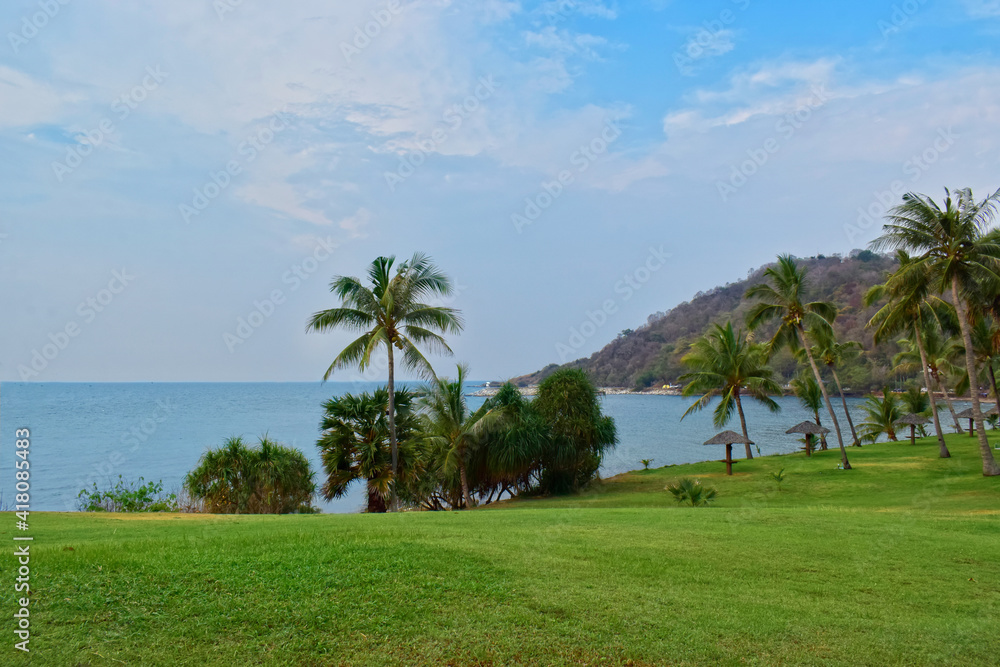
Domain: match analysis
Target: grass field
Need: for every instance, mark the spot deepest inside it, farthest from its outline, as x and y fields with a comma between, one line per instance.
x=894, y=563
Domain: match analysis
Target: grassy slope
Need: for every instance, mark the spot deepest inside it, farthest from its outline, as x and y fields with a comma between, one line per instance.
x=892, y=563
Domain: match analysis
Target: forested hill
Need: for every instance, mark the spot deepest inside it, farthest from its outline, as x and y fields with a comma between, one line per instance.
x=651, y=355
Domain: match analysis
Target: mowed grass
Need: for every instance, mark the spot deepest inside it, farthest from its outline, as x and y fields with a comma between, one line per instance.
x=893, y=563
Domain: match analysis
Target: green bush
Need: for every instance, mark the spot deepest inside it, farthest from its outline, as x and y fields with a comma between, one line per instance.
x=127, y=496
x=236, y=479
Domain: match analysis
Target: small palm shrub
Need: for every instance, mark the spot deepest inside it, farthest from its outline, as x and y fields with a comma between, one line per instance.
x=645, y=463
x=236, y=479
x=687, y=491
x=778, y=477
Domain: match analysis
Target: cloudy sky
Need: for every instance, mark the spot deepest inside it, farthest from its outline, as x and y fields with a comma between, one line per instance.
x=181, y=180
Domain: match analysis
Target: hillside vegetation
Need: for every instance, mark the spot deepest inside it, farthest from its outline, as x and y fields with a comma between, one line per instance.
x=651, y=355
x=892, y=563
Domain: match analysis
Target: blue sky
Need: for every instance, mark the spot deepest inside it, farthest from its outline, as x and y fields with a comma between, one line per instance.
x=172, y=168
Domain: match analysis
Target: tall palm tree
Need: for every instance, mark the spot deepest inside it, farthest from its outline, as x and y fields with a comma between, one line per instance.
x=831, y=353
x=726, y=364
x=354, y=445
x=454, y=431
x=958, y=245
x=391, y=313
x=782, y=298
x=985, y=338
x=939, y=352
x=908, y=310
x=882, y=414
x=807, y=391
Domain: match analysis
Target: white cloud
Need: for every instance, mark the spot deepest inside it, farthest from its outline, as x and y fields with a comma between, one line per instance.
x=24, y=101
x=983, y=8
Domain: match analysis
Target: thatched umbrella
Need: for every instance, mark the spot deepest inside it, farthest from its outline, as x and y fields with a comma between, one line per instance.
x=808, y=429
x=913, y=421
x=967, y=414
x=729, y=438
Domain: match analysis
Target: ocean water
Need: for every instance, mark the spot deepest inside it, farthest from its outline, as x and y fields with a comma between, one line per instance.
x=83, y=433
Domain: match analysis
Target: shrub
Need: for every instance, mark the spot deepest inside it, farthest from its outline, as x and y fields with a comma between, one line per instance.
x=236, y=479
x=645, y=463
x=691, y=492
x=127, y=496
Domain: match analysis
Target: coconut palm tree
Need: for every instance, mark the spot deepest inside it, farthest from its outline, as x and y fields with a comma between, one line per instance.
x=939, y=352
x=452, y=430
x=354, y=445
x=726, y=364
x=831, y=353
x=781, y=298
x=917, y=402
x=808, y=392
x=985, y=338
x=881, y=416
x=909, y=310
x=390, y=312
x=958, y=245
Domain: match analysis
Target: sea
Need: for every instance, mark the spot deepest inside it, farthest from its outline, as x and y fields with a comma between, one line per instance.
x=87, y=433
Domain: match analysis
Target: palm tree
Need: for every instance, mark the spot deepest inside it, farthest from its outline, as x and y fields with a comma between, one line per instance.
x=391, y=313
x=917, y=402
x=454, y=431
x=781, y=298
x=908, y=310
x=728, y=365
x=882, y=415
x=808, y=392
x=939, y=352
x=354, y=445
x=831, y=353
x=961, y=252
x=985, y=339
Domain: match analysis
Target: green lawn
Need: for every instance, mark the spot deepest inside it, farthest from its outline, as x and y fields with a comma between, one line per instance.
x=894, y=563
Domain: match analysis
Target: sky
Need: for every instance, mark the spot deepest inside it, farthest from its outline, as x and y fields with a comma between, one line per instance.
x=182, y=180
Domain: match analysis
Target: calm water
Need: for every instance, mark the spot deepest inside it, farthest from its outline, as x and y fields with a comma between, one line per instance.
x=85, y=433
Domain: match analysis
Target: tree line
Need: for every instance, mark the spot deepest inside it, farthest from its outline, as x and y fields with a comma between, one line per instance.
x=942, y=303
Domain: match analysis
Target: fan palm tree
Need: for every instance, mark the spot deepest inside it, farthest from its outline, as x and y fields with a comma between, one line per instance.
x=961, y=251
x=831, y=353
x=447, y=425
x=391, y=313
x=354, y=445
x=882, y=415
x=726, y=364
x=781, y=298
x=807, y=391
x=909, y=310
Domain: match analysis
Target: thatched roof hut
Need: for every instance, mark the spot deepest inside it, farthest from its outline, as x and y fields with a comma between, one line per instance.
x=728, y=438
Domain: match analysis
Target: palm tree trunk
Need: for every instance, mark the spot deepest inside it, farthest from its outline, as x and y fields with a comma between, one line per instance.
x=993, y=383
x=826, y=397
x=843, y=399
x=947, y=399
x=943, y=448
x=394, y=502
x=990, y=467
x=376, y=503
x=743, y=423
x=465, y=481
